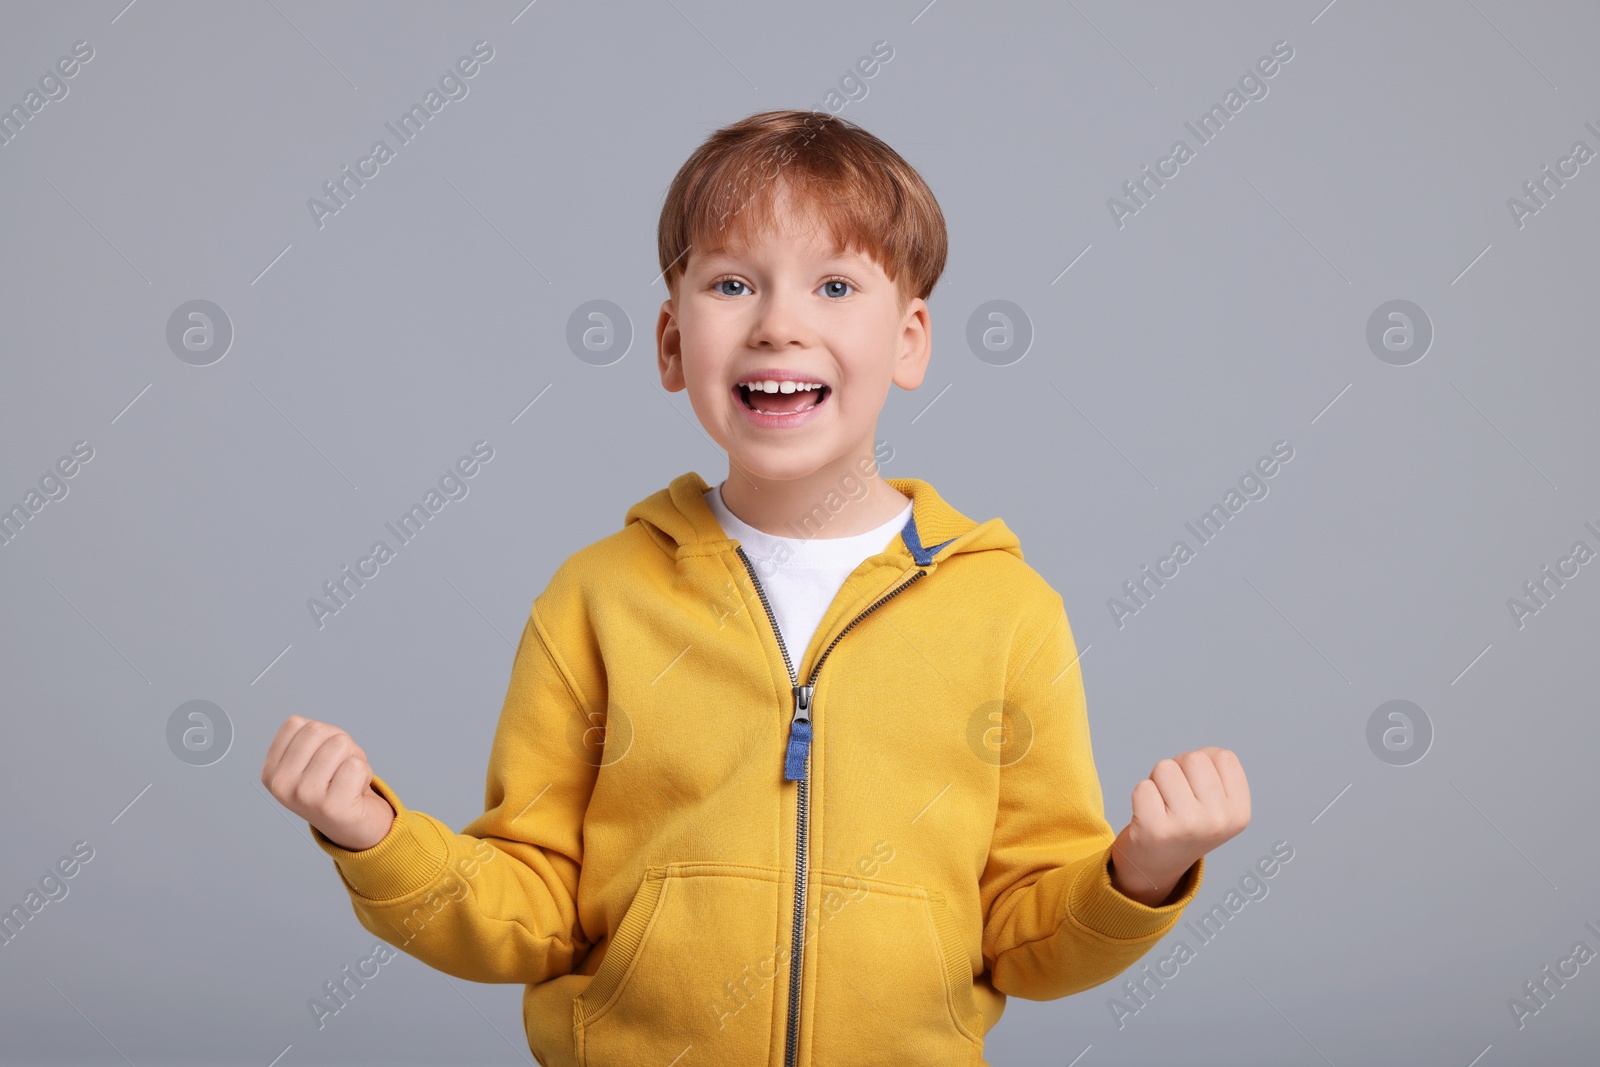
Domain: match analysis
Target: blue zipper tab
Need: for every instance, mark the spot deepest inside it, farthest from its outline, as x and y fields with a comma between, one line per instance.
x=794, y=759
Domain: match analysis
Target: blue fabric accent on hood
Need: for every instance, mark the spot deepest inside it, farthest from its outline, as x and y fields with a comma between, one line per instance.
x=909, y=535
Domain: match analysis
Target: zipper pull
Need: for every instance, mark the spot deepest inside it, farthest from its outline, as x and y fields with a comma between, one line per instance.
x=794, y=760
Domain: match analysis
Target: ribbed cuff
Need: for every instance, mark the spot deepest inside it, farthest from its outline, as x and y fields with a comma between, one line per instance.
x=1095, y=903
x=410, y=856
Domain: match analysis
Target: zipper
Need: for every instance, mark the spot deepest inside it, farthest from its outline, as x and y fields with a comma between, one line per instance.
x=796, y=760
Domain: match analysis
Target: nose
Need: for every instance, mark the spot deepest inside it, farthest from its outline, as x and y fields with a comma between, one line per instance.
x=780, y=320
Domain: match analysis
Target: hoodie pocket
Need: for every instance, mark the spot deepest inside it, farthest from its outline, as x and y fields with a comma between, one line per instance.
x=894, y=979
x=690, y=973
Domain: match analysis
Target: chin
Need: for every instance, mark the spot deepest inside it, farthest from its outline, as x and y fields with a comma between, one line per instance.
x=779, y=463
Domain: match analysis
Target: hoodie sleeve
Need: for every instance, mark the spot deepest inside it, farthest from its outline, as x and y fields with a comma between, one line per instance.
x=1055, y=924
x=496, y=902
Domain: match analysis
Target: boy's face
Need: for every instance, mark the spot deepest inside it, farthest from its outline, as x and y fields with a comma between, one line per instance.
x=790, y=303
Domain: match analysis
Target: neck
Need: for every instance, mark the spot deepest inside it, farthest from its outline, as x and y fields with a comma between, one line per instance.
x=836, y=500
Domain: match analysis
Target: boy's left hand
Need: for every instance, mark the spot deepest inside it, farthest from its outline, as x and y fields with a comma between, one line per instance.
x=1188, y=806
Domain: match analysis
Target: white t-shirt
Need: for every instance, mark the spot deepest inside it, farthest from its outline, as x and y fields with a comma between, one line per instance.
x=802, y=575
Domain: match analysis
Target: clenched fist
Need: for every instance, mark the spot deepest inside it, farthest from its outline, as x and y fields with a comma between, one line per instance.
x=1187, y=807
x=318, y=772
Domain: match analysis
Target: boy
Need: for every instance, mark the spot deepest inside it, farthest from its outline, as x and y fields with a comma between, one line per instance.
x=830, y=814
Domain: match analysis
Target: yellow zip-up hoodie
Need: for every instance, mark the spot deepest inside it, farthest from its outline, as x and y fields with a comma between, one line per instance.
x=701, y=847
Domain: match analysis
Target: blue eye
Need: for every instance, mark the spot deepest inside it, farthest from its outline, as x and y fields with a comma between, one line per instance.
x=831, y=287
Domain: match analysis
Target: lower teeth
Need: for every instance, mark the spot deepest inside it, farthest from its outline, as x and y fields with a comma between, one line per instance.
x=749, y=403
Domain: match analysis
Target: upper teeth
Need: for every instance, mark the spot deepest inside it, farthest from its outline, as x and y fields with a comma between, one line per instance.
x=785, y=386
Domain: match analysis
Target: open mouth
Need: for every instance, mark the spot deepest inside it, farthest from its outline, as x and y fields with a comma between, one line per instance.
x=803, y=397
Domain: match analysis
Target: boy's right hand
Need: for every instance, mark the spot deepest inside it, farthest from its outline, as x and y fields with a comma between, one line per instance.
x=318, y=772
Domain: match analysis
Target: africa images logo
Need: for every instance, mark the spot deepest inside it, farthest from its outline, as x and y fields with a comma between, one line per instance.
x=1252, y=86
x=452, y=84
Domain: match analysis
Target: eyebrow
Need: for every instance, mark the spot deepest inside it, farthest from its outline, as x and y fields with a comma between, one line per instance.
x=832, y=255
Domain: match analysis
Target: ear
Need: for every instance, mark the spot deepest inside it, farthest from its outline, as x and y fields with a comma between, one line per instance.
x=915, y=345
x=669, y=348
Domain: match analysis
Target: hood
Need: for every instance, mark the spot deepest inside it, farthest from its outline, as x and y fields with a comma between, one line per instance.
x=679, y=519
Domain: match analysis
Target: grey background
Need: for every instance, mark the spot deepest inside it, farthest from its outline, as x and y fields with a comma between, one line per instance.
x=1229, y=313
